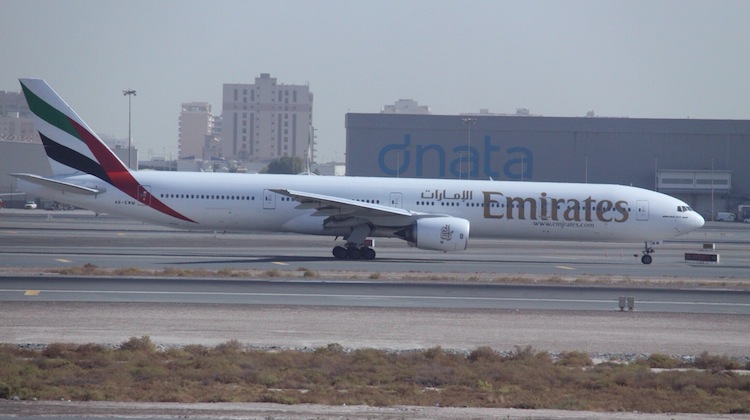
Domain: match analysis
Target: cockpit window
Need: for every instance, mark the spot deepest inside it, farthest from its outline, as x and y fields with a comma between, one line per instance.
x=683, y=208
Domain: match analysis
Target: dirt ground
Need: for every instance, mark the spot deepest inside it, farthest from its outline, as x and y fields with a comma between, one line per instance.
x=67, y=409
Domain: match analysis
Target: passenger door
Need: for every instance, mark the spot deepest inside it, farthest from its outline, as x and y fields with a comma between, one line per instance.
x=396, y=200
x=269, y=200
x=642, y=210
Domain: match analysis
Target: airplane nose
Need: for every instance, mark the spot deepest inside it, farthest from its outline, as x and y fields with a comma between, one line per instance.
x=690, y=223
x=697, y=220
x=693, y=222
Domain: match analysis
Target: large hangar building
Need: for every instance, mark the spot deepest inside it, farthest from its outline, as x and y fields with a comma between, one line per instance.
x=706, y=163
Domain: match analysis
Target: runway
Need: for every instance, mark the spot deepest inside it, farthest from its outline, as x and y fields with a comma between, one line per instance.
x=405, y=299
x=365, y=294
x=53, y=239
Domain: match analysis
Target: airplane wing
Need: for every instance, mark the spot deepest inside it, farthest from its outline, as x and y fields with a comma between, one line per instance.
x=57, y=184
x=326, y=205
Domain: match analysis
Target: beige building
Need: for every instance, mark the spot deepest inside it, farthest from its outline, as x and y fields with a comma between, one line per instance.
x=265, y=120
x=195, y=131
x=16, y=121
x=406, y=106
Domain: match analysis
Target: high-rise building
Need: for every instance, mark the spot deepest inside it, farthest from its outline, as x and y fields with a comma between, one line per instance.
x=195, y=131
x=266, y=120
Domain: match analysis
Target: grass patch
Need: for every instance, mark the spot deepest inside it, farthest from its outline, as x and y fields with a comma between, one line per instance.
x=524, y=378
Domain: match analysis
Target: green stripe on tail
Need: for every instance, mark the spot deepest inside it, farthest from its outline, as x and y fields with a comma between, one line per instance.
x=48, y=113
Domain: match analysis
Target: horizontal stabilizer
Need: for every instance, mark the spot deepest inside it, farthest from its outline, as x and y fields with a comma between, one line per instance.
x=58, y=185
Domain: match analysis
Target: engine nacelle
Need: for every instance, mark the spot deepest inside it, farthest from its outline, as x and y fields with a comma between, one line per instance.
x=448, y=234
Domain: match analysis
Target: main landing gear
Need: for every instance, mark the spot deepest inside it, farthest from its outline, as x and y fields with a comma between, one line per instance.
x=357, y=245
x=648, y=250
x=353, y=252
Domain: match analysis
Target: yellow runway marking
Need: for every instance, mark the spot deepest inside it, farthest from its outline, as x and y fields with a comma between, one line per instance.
x=279, y=263
x=31, y=293
x=565, y=267
x=120, y=234
x=63, y=260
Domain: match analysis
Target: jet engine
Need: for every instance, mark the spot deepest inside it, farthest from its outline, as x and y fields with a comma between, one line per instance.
x=446, y=234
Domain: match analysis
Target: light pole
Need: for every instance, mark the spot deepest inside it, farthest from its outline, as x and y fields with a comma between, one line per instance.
x=469, y=121
x=712, y=189
x=398, y=164
x=129, y=93
x=586, y=173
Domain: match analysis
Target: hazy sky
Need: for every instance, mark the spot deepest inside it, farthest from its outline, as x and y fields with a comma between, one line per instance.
x=652, y=59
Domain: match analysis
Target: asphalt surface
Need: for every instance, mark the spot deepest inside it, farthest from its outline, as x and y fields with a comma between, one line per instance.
x=503, y=294
x=370, y=294
x=38, y=238
x=499, y=293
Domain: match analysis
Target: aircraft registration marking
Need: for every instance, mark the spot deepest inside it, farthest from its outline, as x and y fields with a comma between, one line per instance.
x=31, y=293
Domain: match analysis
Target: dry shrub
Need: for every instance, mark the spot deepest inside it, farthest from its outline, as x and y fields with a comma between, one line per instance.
x=56, y=350
x=129, y=271
x=663, y=361
x=716, y=363
x=333, y=375
x=575, y=359
x=227, y=272
x=142, y=345
x=524, y=353
x=230, y=347
x=484, y=354
x=169, y=272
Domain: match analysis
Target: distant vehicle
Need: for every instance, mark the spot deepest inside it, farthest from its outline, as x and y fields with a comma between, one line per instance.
x=30, y=205
x=725, y=217
x=746, y=220
x=2, y=204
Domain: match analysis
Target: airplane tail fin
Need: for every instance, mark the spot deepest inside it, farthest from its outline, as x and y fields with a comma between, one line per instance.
x=71, y=146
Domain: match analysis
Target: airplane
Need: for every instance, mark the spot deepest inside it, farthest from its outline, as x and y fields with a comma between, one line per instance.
x=432, y=214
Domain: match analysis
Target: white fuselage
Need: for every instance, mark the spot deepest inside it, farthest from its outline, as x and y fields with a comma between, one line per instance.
x=495, y=209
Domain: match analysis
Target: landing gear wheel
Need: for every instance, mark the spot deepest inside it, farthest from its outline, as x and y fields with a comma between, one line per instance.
x=353, y=253
x=367, y=253
x=339, y=252
x=648, y=250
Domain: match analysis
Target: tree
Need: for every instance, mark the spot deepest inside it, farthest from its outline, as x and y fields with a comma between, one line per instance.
x=285, y=165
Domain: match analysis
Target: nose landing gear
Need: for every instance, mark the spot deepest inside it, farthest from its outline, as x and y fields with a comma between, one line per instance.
x=648, y=250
